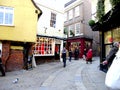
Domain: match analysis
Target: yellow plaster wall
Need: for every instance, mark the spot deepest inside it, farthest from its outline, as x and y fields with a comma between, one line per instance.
x=25, y=21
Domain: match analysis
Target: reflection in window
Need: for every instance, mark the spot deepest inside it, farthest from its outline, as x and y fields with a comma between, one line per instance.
x=116, y=34
x=108, y=37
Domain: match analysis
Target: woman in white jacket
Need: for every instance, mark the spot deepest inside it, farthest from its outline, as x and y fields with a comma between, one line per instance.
x=112, y=79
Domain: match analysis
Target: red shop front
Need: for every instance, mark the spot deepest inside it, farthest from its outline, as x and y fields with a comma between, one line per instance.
x=80, y=43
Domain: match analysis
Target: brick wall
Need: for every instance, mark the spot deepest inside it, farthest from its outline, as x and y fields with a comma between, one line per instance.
x=12, y=59
x=15, y=61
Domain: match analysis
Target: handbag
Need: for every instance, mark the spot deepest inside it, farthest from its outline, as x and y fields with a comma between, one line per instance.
x=112, y=79
x=104, y=68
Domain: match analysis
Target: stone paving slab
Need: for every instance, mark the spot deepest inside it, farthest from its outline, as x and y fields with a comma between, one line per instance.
x=50, y=76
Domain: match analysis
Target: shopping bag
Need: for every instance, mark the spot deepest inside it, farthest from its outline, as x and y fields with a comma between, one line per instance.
x=112, y=79
x=61, y=59
x=84, y=57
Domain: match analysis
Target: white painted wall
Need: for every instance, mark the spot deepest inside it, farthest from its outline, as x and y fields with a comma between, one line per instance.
x=48, y=6
x=107, y=6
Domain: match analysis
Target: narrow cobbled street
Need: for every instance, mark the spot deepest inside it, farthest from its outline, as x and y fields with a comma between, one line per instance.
x=77, y=75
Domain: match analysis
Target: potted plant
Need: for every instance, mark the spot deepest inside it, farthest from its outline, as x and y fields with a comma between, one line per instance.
x=91, y=22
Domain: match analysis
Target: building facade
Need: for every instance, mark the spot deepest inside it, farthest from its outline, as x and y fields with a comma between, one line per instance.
x=109, y=29
x=18, y=28
x=49, y=32
x=77, y=15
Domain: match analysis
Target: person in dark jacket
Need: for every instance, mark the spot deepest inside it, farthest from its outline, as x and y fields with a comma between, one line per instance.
x=1, y=65
x=111, y=54
x=70, y=54
x=76, y=53
x=64, y=56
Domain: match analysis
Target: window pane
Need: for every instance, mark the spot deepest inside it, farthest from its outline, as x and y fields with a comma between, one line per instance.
x=1, y=17
x=77, y=11
x=65, y=16
x=6, y=18
x=10, y=18
x=77, y=29
x=70, y=14
x=108, y=37
x=53, y=20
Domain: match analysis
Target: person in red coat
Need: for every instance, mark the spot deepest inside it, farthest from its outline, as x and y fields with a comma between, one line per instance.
x=89, y=56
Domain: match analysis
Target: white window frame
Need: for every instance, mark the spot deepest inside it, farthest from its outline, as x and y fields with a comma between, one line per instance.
x=77, y=29
x=77, y=11
x=71, y=27
x=8, y=16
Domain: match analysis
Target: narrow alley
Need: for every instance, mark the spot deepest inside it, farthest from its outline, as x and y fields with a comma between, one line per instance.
x=77, y=75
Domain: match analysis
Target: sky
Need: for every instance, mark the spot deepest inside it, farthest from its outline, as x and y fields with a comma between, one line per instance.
x=58, y=4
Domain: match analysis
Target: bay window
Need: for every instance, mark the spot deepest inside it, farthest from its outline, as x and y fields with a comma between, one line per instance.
x=44, y=46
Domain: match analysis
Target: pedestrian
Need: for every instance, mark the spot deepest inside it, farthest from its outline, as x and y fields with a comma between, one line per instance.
x=84, y=54
x=112, y=79
x=76, y=53
x=64, y=56
x=111, y=54
x=1, y=65
x=70, y=54
x=89, y=56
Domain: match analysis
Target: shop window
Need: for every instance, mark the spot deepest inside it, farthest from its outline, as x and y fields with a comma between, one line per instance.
x=107, y=49
x=108, y=37
x=44, y=46
x=116, y=35
x=75, y=45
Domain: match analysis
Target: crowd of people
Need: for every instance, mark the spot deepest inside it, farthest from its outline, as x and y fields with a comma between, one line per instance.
x=86, y=56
